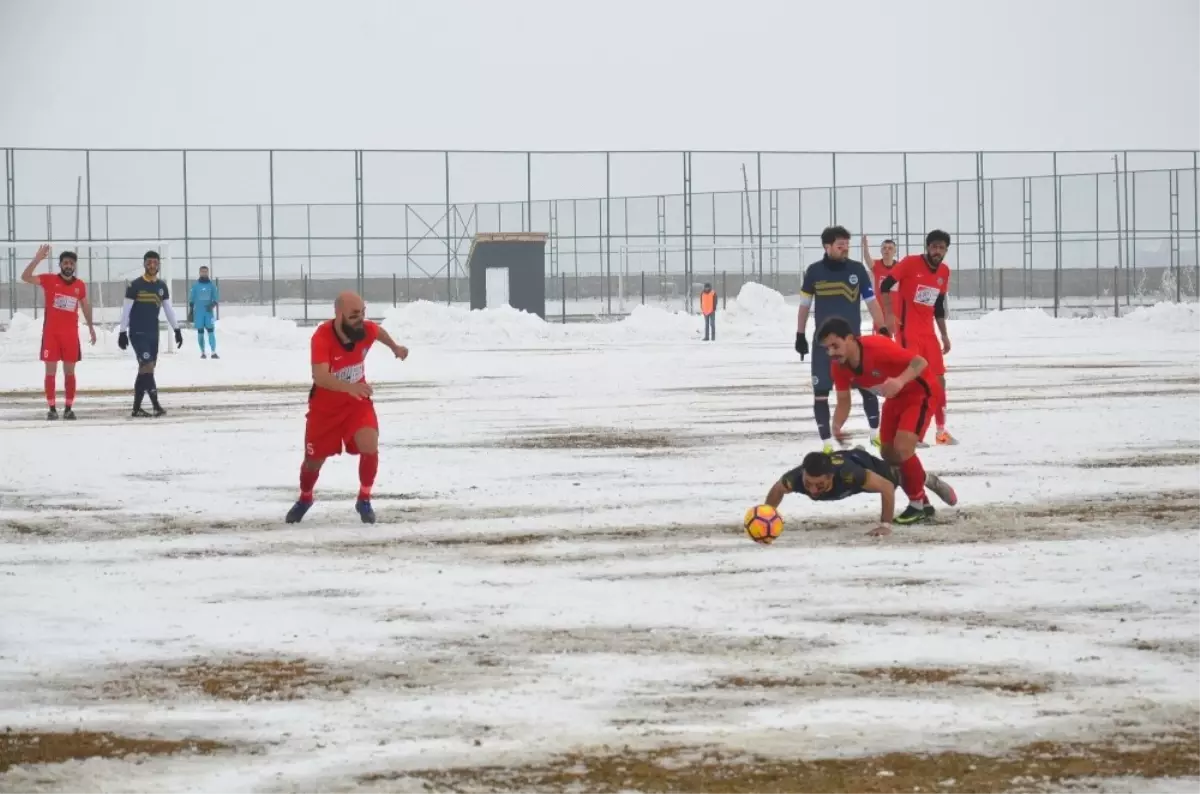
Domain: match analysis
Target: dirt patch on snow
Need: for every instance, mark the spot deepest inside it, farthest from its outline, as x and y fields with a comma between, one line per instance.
x=18, y=748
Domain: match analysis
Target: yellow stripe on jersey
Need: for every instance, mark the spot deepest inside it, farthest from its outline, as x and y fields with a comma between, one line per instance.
x=837, y=289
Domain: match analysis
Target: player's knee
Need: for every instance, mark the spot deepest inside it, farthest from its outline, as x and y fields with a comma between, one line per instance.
x=312, y=464
x=367, y=441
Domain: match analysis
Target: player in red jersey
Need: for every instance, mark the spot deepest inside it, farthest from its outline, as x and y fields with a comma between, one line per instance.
x=64, y=296
x=340, y=412
x=880, y=268
x=898, y=375
x=922, y=282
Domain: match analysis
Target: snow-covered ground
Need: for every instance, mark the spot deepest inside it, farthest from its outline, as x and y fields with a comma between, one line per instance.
x=559, y=564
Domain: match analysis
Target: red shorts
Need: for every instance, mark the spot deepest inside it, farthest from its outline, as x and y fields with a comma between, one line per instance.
x=909, y=413
x=928, y=347
x=327, y=434
x=61, y=344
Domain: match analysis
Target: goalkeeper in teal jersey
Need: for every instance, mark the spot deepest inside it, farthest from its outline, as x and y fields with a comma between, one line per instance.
x=202, y=303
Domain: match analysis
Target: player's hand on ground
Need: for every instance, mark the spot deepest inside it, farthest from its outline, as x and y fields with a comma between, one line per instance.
x=801, y=344
x=122, y=340
x=841, y=436
x=92, y=334
x=890, y=387
x=401, y=352
x=880, y=531
x=945, y=346
x=359, y=390
x=42, y=252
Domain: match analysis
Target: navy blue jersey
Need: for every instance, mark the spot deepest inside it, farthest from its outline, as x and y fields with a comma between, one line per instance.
x=837, y=289
x=849, y=475
x=147, y=297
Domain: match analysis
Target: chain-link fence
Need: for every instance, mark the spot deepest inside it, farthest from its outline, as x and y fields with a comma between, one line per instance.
x=283, y=231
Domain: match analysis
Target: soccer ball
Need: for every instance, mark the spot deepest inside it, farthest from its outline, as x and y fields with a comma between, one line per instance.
x=763, y=524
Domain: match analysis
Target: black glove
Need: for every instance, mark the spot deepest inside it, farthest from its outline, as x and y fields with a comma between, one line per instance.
x=178, y=338
x=883, y=331
x=801, y=345
x=122, y=340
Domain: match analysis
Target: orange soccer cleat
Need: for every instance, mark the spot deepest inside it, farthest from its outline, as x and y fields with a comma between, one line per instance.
x=943, y=438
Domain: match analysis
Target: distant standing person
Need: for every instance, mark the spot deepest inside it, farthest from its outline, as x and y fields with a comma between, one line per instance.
x=64, y=296
x=708, y=307
x=202, y=302
x=880, y=268
x=836, y=286
x=139, y=327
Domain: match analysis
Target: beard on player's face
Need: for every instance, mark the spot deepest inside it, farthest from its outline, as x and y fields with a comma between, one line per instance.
x=354, y=328
x=67, y=271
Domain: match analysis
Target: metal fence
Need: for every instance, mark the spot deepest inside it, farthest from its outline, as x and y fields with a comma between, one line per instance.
x=285, y=228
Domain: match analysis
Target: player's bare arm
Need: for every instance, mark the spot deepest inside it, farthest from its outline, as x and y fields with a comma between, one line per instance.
x=841, y=413
x=85, y=306
x=400, y=351
x=27, y=274
x=875, y=307
x=776, y=494
x=892, y=386
x=325, y=379
x=939, y=314
x=873, y=483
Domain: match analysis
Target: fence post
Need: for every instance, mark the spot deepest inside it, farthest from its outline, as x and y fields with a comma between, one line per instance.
x=1116, y=290
x=393, y=290
x=1001, y=289
x=723, y=293
x=643, y=287
x=304, y=288
x=562, y=282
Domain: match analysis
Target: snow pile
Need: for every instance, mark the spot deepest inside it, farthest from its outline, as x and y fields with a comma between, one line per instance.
x=1026, y=323
x=257, y=332
x=1166, y=317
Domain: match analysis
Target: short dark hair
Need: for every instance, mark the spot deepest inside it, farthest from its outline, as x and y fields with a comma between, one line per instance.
x=937, y=236
x=67, y=255
x=835, y=326
x=817, y=464
x=150, y=255
x=889, y=240
x=833, y=234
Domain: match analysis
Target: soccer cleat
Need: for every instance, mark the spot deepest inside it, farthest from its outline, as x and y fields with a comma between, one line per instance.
x=203, y=355
x=140, y=413
x=363, y=507
x=943, y=438
x=214, y=355
x=159, y=411
x=68, y=413
x=828, y=448
x=914, y=514
x=941, y=489
x=875, y=442
x=297, y=512
x=52, y=414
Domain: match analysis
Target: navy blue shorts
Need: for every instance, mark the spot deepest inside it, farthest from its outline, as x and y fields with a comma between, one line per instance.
x=145, y=346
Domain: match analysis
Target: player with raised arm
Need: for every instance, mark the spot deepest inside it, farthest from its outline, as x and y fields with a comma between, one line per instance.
x=340, y=412
x=824, y=476
x=65, y=295
x=202, y=303
x=879, y=271
x=922, y=282
x=835, y=286
x=139, y=327
x=897, y=375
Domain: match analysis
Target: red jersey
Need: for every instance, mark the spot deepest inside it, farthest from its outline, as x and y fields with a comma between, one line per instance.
x=881, y=359
x=62, y=301
x=920, y=287
x=346, y=362
x=881, y=271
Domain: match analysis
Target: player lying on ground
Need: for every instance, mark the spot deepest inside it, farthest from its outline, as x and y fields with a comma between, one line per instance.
x=64, y=296
x=922, y=283
x=139, y=326
x=879, y=364
x=340, y=412
x=832, y=477
x=836, y=286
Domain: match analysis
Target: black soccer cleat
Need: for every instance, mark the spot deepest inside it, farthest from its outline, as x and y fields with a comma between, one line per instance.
x=914, y=514
x=68, y=413
x=159, y=411
x=52, y=414
x=214, y=355
x=364, y=510
x=297, y=512
x=140, y=413
x=203, y=355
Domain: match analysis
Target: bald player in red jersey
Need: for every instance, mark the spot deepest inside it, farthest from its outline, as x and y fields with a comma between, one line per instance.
x=340, y=412
x=65, y=295
x=880, y=268
x=899, y=376
x=922, y=283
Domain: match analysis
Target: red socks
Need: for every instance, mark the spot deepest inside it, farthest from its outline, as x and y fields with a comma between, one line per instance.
x=70, y=390
x=50, y=390
x=912, y=478
x=368, y=466
x=308, y=481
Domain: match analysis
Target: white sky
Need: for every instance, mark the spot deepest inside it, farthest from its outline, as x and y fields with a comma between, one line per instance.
x=619, y=74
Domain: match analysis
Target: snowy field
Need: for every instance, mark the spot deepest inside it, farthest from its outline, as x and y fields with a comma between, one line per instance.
x=559, y=595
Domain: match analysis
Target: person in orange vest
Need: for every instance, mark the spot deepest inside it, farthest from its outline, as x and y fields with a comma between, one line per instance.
x=708, y=307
